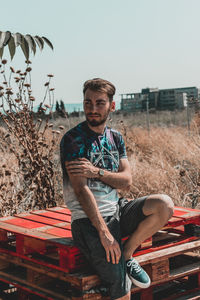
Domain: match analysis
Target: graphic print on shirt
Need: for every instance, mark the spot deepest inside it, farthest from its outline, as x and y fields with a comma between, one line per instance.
x=104, y=158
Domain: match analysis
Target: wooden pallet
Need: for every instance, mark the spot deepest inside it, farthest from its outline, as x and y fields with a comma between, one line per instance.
x=41, y=258
x=47, y=233
x=182, y=268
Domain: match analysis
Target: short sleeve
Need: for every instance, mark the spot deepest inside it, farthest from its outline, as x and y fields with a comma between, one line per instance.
x=119, y=141
x=71, y=147
x=122, y=148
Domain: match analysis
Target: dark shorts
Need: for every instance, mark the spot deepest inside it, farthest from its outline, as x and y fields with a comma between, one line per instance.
x=122, y=224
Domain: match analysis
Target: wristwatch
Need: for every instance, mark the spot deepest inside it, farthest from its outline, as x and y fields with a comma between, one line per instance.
x=101, y=172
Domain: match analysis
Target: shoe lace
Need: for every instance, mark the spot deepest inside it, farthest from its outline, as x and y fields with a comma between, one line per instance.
x=134, y=265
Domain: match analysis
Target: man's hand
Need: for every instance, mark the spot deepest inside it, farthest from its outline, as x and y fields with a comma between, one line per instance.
x=111, y=247
x=82, y=167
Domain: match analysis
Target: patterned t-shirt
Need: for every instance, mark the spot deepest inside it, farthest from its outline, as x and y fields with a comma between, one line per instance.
x=104, y=151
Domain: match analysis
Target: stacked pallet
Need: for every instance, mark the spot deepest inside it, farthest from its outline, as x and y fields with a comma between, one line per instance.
x=38, y=259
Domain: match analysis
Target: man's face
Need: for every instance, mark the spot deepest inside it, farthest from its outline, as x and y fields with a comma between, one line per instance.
x=97, y=107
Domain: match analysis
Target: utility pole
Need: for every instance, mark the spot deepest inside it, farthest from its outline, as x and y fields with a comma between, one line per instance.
x=147, y=112
x=188, y=115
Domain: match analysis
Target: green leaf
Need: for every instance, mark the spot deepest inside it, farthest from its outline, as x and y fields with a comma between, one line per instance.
x=7, y=38
x=39, y=41
x=17, y=38
x=26, y=43
x=31, y=42
x=11, y=47
x=1, y=52
x=25, y=47
x=2, y=38
x=48, y=42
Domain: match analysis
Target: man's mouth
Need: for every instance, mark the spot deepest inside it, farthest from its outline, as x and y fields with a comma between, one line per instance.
x=93, y=116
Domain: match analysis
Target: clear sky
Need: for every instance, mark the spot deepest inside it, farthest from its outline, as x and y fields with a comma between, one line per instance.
x=133, y=43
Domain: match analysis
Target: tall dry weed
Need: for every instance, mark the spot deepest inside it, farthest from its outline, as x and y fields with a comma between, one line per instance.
x=28, y=178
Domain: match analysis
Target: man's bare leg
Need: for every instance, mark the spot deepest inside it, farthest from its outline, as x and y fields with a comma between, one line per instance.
x=159, y=209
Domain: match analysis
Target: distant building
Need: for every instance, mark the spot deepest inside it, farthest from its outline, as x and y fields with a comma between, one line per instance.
x=164, y=99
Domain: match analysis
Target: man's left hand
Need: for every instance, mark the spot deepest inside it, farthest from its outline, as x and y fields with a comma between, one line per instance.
x=82, y=167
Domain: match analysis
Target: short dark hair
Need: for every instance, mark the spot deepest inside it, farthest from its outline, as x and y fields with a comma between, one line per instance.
x=100, y=85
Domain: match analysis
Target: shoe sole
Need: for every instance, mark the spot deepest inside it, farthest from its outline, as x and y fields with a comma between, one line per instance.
x=140, y=284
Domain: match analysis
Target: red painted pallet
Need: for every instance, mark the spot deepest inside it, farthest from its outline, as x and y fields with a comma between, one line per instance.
x=43, y=232
x=48, y=233
x=40, y=243
x=182, y=268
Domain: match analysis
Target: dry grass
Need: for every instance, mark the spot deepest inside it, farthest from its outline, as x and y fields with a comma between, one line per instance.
x=164, y=161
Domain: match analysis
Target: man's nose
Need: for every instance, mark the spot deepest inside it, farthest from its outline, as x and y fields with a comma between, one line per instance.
x=93, y=108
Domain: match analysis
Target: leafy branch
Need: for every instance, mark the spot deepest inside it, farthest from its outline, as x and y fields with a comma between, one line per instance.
x=27, y=43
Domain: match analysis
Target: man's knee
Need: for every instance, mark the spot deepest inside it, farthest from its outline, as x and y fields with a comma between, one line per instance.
x=159, y=204
x=165, y=206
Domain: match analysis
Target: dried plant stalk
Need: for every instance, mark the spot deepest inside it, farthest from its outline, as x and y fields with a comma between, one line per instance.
x=30, y=140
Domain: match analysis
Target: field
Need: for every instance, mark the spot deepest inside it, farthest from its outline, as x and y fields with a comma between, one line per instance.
x=163, y=159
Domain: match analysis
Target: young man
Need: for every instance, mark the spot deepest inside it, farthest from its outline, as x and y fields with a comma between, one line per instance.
x=95, y=164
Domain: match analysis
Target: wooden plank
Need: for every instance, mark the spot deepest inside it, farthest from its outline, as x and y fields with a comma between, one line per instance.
x=27, y=290
x=36, y=234
x=181, y=208
x=53, y=215
x=3, y=264
x=178, y=289
x=147, y=294
x=180, y=240
x=182, y=221
x=62, y=210
x=158, y=270
x=44, y=220
x=17, y=277
x=23, y=223
x=47, y=222
x=181, y=215
x=165, y=236
x=27, y=245
x=179, y=212
x=37, y=278
x=191, y=215
x=174, y=219
x=169, y=252
x=30, y=289
x=146, y=243
x=60, y=232
x=3, y=236
x=40, y=267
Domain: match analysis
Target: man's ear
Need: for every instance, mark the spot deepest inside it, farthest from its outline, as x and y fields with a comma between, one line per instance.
x=112, y=106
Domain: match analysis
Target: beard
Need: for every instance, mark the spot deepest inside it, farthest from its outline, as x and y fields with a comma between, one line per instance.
x=96, y=123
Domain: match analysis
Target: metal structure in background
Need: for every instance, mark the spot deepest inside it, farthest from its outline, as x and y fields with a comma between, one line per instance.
x=147, y=115
x=159, y=102
x=163, y=99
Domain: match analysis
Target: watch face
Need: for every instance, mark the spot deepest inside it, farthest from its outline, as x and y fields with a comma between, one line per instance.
x=101, y=172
